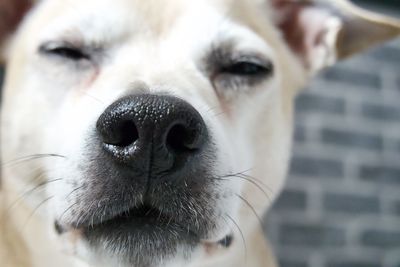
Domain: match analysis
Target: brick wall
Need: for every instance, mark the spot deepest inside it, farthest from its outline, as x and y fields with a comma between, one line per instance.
x=341, y=206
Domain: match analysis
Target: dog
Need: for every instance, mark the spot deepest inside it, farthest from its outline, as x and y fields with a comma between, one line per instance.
x=156, y=133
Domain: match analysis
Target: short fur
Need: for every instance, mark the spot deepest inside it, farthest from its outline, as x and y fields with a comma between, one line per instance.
x=50, y=106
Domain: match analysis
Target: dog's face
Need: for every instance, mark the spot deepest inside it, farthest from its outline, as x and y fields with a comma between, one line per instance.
x=154, y=123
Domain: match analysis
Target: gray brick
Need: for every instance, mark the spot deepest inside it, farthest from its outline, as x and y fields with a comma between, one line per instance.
x=308, y=102
x=291, y=263
x=381, y=239
x=314, y=236
x=353, y=263
x=1, y=75
x=299, y=134
x=353, y=77
x=317, y=168
x=380, y=174
x=351, y=204
x=387, y=54
x=392, y=145
x=396, y=208
x=292, y=200
x=381, y=112
x=398, y=83
x=351, y=140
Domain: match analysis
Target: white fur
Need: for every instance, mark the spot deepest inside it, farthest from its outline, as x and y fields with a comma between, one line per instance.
x=51, y=106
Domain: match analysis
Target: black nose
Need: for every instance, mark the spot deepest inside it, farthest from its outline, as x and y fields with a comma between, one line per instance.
x=153, y=133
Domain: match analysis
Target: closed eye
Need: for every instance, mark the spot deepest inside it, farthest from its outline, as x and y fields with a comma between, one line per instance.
x=233, y=70
x=64, y=50
x=248, y=69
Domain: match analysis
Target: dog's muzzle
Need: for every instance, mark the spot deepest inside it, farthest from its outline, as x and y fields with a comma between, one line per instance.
x=149, y=186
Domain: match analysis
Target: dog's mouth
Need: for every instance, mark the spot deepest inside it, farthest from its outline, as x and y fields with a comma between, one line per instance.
x=142, y=216
x=143, y=235
x=140, y=233
x=145, y=214
x=139, y=220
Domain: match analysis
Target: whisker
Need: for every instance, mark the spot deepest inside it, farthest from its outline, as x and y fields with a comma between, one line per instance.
x=37, y=177
x=95, y=98
x=258, y=180
x=248, y=180
x=29, y=158
x=72, y=205
x=34, y=211
x=226, y=222
x=219, y=113
x=28, y=192
x=215, y=111
x=251, y=207
x=243, y=172
x=242, y=236
x=74, y=190
x=85, y=215
x=67, y=209
x=103, y=213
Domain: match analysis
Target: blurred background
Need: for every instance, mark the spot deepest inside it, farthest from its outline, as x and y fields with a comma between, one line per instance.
x=341, y=206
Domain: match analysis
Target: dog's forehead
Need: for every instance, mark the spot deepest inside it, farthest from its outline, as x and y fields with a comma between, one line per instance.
x=116, y=19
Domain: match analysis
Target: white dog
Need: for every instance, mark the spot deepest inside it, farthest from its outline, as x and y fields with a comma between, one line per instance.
x=152, y=133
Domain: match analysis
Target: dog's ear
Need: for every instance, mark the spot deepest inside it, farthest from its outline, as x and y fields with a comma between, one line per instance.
x=324, y=31
x=11, y=13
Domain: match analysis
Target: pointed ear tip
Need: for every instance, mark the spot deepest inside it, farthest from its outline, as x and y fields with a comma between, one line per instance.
x=369, y=15
x=386, y=27
x=393, y=28
x=391, y=22
x=376, y=30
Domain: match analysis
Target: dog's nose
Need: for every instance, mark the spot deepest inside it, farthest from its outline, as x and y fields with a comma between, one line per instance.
x=153, y=133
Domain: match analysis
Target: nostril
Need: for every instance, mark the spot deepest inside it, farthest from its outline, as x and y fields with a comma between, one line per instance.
x=180, y=139
x=176, y=138
x=128, y=134
x=123, y=134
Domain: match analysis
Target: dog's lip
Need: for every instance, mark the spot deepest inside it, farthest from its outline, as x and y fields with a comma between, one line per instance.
x=141, y=215
x=143, y=212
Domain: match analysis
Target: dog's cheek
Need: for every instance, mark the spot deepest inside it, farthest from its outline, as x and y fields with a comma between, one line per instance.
x=71, y=136
x=22, y=135
x=233, y=158
x=260, y=133
x=270, y=142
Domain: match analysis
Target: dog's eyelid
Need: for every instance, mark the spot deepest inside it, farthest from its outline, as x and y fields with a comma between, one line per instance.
x=253, y=57
x=51, y=45
x=249, y=68
x=255, y=62
x=65, y=49
x=226, y=59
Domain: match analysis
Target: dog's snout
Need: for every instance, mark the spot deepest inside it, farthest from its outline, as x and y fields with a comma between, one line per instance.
x=152, y=131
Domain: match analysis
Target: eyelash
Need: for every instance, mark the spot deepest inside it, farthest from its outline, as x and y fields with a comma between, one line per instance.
x=242, y=67
x=64, y=50
x=248, y=68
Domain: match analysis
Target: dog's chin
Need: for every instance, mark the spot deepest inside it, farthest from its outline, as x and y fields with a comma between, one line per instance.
x=141, y=236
